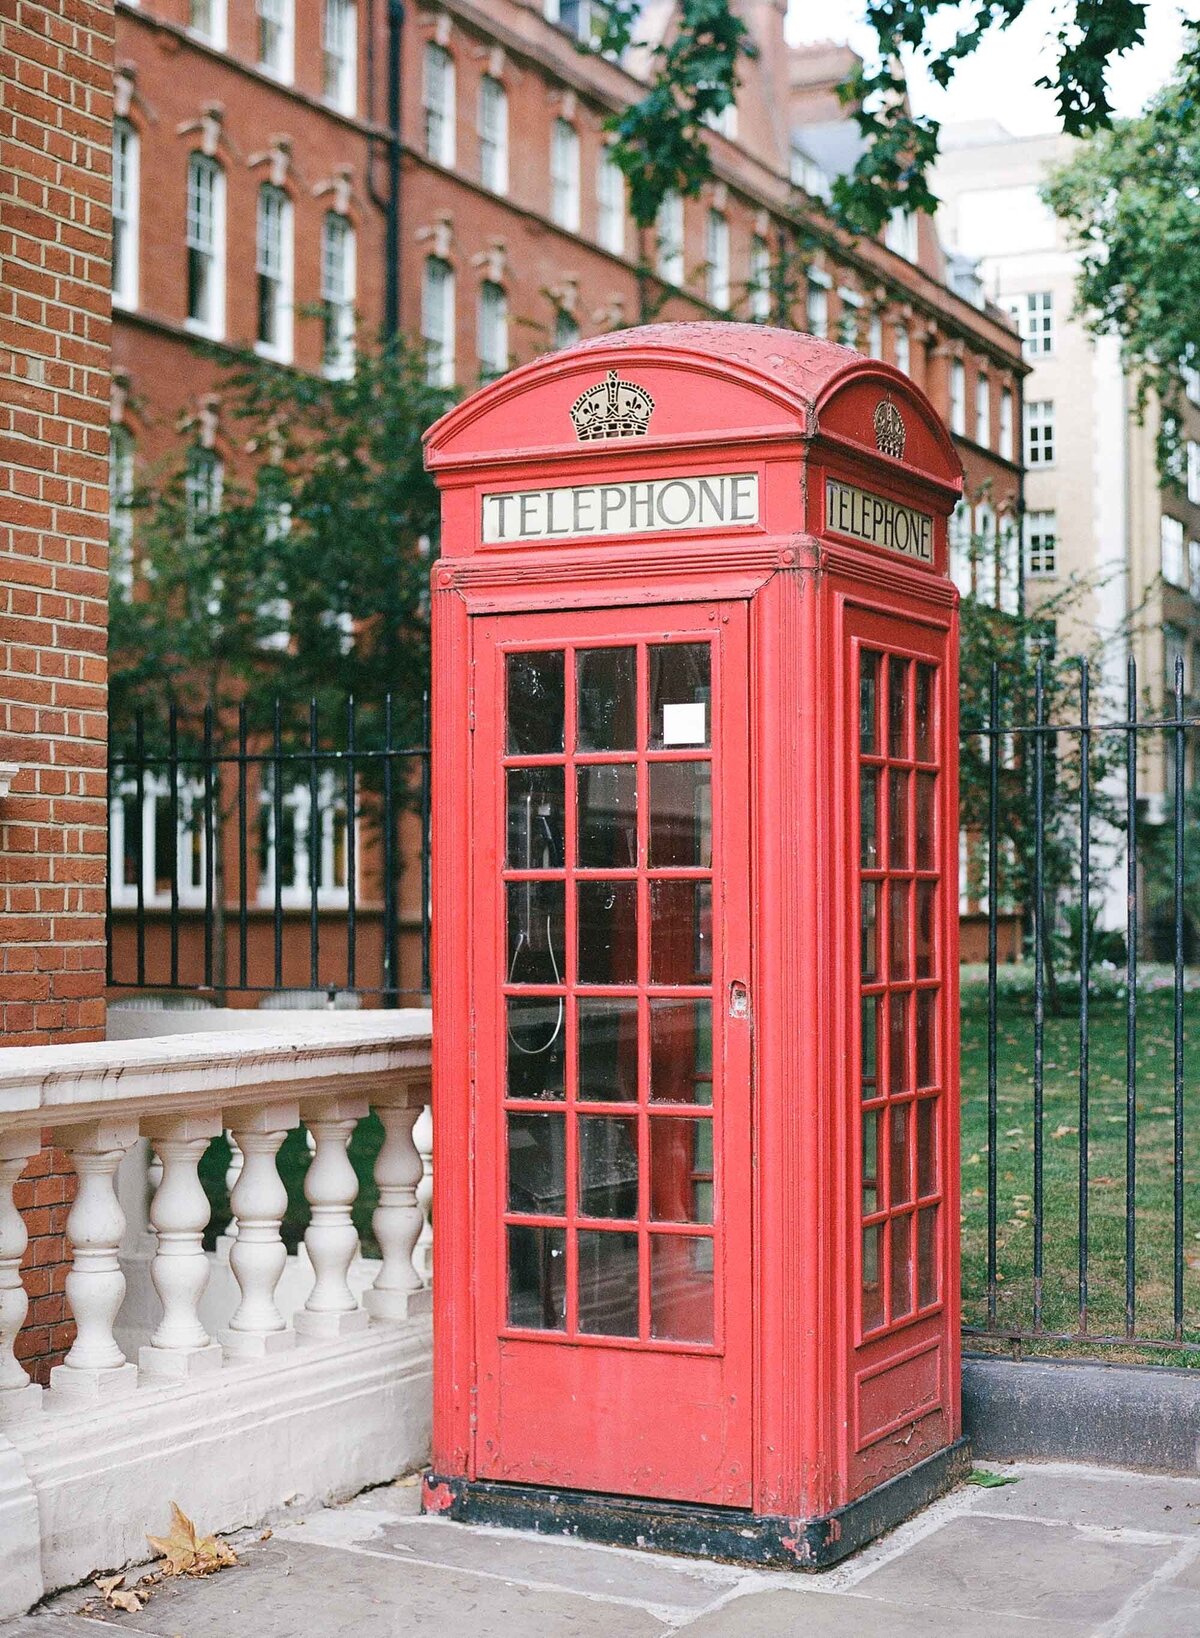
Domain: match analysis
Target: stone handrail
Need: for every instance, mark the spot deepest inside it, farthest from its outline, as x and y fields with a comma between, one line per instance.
x=179, y=1092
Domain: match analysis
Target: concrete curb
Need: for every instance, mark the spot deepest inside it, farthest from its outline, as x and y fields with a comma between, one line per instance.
x=1134, y=1416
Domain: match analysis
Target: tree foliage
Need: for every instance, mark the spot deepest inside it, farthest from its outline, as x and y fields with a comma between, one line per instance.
x=1131, y=198
x=310, y=577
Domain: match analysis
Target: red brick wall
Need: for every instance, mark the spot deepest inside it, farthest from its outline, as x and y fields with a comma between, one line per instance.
x=55, y=228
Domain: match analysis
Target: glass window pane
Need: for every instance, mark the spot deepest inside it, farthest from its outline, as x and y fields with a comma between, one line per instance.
x=606, y=699
x=535, y=818
x=926, y=1146
x=535, y=933
x=608, y=1166
x=608, y=1051
x=870, y=1161
x=607, y=932
x=927, y=1281
x=898, y=1043
x=898, y=1150
x=536, y=1042
x=926, y=1043
x=872, y=1277
x=535, y=703
x=680, y=932
x=926, y=821
x=926, y=746
x=681, y=1051
x=868, y=703
x=901, y=1264
x=868, y=818
x=537, y=1172
x=537, y=1277
x=680, y=815
x=899, y=841
x=681, y=1169
x=870, y=920
x=681, y=1288
x=870, y=1046
x=898, y=900
x=608, y=1283
x=925, y=924
x=607, y=816
x=680, y=694
x=898, y=669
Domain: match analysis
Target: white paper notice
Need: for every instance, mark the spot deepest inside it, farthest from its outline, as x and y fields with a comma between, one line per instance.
x=685, y=724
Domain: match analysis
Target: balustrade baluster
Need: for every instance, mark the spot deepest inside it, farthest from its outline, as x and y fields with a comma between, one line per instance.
x=95, y=1367
x=18, y=1395
x=179, y=1214
x=423, y=1138
x=330, y=1187
x=258, y=1255
x=398, y=1292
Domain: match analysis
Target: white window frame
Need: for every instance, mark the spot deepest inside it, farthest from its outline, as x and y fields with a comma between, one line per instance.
x=1005, y=441
x=900, y=233
x=902, y=346
x=1039, y=432
x=438, y=321
x=339, y=273
x=874, y=336
x=214, y=31
x=296, y=804
x=1041, y=545
x=1171, y=549
x=125, y=202
x=958, y=397
x=1008, y=564
x=121, y=457
x=610, y=204
x=564, y=175
x=275, y=26
x=492, y=330
x=983, y=411
x=1033, y=314
x=958, y=532
x=759, y=282
x=716, y=259
x=274, y=262
x=339, y=54
x=1193, y=471
x=669, y=233
x=439, y=101
x=493, y=134
x=205, y=237
x=203, y=485
x=566, y=329
x=1189, y=369
x=190, y=862
x=851, y=304
x=1194, y=568
x=816, y=302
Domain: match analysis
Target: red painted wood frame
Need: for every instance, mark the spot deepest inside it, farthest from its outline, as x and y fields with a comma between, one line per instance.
x=611, y=976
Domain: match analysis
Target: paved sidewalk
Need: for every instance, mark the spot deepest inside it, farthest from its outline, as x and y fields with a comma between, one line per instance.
x=1067, y=1552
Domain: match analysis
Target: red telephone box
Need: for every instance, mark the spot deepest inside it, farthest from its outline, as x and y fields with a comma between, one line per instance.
x=695, y=947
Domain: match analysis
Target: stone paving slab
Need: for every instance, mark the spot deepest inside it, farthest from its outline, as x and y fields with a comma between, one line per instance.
x=1064, y=1553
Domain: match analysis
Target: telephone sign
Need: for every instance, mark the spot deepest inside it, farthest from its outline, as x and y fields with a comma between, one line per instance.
x=695, y=961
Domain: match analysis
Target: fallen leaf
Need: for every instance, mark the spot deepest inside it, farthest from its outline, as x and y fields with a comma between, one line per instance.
x=183, y=1552
x=266, y=1535
x=990, y=1481
x=127, y=1601
x=106, y=1583
x=1063, y=1131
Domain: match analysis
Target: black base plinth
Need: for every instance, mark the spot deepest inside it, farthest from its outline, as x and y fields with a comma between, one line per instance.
x=724, y=1533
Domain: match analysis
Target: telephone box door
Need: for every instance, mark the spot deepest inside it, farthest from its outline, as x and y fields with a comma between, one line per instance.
x=611, y=1122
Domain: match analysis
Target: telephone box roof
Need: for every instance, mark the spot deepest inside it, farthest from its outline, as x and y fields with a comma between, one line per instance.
x=778, y=383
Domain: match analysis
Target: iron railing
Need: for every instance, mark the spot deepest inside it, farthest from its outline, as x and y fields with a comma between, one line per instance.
x=1085, y=1234
x=292, y=859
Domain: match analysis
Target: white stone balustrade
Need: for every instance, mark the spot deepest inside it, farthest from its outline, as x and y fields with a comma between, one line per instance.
x=333, y=1400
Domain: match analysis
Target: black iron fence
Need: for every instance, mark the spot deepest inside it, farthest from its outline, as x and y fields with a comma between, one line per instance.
x=1080, y=1211
x=287, y=860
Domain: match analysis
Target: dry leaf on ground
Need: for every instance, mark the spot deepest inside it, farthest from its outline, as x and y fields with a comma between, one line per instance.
x=117, y=1597
x=184, y=1552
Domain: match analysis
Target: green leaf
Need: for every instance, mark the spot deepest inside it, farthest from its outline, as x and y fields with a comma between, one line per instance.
x=990, y=1481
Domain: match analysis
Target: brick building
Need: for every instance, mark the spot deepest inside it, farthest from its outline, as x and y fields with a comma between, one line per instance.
x=257, y=190
x=55, y=143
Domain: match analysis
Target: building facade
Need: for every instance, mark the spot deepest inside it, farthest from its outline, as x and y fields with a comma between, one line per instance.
x=1096, y=509
x=263, y=199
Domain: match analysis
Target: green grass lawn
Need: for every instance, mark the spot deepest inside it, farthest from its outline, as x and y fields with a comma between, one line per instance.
x=1106, y=1157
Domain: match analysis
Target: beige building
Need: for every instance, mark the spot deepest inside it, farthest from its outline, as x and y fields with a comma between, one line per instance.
x=1095, y=507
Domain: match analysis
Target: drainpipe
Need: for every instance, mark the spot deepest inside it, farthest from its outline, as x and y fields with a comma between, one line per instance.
x=391, y=283
x=1019, y=452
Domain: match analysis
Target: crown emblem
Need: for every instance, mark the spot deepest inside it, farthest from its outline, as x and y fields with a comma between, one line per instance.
x=612, y=409
x=890, y=431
